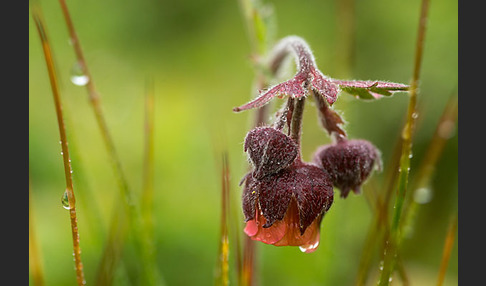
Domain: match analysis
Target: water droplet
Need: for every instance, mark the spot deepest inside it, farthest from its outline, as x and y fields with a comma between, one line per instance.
x=77, y=75
x=62, y=153
x=309, y=248
x=422, y=195
x=415, y=115
x=65, y=201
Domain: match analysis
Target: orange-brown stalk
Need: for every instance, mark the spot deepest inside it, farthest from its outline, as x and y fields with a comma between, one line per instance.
x=36, y=13
x=95, y=103
x=134, y=217
x=446, y=254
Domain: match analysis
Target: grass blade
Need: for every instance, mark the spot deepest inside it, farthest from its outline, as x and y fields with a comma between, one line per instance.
x=95, y=103
x=446, y=254
x=222, y=276
x=135, y=221
x=427, y=167
x=345, y=43
x=393, y=240
x=35, y=257
x=248, y=272
x=258, y=46
x=113, y=249
x=148, y=165
x=37, y=15
x=148, y=182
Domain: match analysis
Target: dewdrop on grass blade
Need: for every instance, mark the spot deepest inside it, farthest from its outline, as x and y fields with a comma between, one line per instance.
x=77, y=75
x=65, y=200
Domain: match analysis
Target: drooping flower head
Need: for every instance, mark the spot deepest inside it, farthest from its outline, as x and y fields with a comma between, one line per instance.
x=286, y=208
x=349, y=163
x=284, y=199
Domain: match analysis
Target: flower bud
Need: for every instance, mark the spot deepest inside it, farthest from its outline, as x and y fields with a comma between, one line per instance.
x=269, y=150
x=349, y=163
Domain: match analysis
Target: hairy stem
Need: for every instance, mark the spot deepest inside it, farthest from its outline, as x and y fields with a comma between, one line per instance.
x=297, y=117
x=304, y=59
x=285, y=115
x=64, y=145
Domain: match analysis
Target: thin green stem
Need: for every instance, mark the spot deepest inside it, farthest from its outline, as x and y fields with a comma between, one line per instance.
x=257, y=48
x=64, y=144
x=427, y=167
x=148, y=165
x=112, y=251
x=345, y=36
x=394, y=239
x=35, y=257
x=222, y=277
x=149, y=252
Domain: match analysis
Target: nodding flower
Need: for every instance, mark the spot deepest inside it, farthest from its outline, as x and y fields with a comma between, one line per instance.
x=284, y=198
x=349, y=163
x=285, y=201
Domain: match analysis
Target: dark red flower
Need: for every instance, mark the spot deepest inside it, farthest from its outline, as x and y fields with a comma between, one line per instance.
x=349, y=163
x=286, y=208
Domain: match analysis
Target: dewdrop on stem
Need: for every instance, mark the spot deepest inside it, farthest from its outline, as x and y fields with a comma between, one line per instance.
x=77, y=76
x=65, y=200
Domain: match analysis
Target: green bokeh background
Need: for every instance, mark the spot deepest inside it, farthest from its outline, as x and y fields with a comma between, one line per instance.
x=198, y=55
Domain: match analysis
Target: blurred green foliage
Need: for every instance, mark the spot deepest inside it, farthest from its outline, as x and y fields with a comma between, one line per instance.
x=198, y=54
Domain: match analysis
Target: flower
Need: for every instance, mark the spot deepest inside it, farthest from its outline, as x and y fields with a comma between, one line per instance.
x=285, y=199
x=349, y=163
x=287, y=207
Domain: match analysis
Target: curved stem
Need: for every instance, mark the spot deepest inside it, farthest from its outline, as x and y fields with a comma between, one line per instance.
x=64, y=145
x=298, y=48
